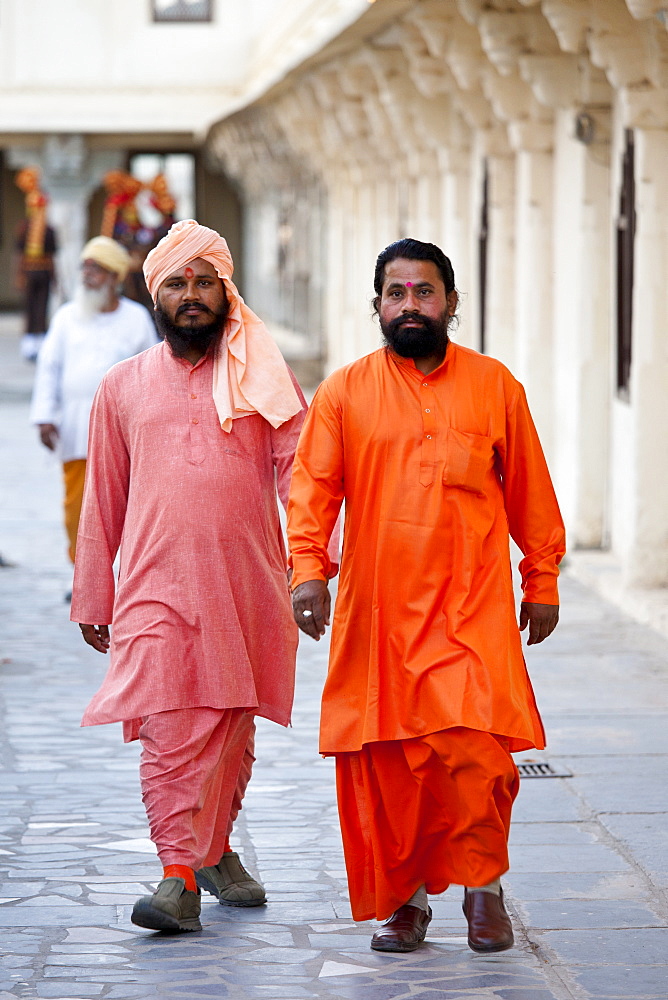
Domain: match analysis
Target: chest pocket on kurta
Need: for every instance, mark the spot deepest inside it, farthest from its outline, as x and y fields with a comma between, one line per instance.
x=468, y=458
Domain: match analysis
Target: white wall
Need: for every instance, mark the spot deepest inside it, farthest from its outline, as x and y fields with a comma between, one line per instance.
x=105, y=66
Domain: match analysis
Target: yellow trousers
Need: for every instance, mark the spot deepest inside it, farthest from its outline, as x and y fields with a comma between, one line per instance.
x=73, y=477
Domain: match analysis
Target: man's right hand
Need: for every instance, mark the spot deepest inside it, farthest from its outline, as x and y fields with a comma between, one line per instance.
x=311, y=605
x=48, y=434
x=96, y=636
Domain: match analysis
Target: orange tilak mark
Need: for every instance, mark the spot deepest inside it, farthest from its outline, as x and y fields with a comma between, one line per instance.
x=189, y=272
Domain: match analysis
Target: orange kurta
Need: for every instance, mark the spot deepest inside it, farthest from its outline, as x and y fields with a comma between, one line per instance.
x=436, y=471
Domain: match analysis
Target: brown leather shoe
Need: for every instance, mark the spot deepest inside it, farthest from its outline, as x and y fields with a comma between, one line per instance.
x=404, y=931
x=489, y=924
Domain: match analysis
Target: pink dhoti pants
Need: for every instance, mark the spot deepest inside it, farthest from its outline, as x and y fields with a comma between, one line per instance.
x=195, y=765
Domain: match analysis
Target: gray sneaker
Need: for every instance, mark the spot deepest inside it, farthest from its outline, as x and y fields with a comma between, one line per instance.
x=172, y=908
x=231, y=883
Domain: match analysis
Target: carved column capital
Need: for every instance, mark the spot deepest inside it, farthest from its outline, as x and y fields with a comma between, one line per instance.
x=616, y=43
x=435, y=21
x=435, y=121
x=470, y=10
x=294, y=111
x=644, y=107
x=641, y=9
x=465, y=55
x=569, y=20
x=555, y=79
x=506, y=36
x=494, y=141
x=509, y=96
x=531, y=136
x=474, y=108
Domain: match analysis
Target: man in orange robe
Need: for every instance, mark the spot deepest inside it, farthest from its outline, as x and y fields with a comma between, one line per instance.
x=189, y=441
x=433, y=449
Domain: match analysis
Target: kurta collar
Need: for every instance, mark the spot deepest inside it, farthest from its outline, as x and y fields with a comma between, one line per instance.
x=184, y=363
x=409, y=366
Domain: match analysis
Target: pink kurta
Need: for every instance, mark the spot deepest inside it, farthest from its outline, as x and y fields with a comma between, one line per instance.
x=201, y=614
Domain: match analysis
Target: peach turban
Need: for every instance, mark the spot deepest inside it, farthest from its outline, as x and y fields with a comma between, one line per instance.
x=250, y=375
x=108, y=254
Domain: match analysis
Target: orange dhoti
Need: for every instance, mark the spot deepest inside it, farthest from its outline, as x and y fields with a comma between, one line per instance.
x=426, y=811
x=74, y=473
x=195, y=766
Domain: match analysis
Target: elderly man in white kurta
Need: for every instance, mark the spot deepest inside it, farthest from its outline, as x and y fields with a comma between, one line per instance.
x=86, y=337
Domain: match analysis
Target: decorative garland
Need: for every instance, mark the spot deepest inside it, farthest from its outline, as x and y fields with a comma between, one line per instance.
x=28, y=181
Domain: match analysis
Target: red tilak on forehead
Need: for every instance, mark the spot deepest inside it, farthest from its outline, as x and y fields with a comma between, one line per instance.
x=190, y=273
x=409, y=284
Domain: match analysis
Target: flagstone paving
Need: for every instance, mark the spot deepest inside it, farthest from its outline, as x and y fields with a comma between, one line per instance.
x=587, y=888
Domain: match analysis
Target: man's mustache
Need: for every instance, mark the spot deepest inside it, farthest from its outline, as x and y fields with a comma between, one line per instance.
x=193, y=305
x=396, y=323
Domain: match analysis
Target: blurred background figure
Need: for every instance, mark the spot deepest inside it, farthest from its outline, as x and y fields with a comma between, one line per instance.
x=36, y=245
x=119, y=217
x=137, y=214
x=86, y=337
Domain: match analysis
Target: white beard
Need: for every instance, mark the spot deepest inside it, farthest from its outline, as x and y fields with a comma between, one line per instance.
x=89, y=302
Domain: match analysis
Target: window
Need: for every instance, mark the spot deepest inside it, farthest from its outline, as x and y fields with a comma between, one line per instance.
x=182, y=10
x=626, y=231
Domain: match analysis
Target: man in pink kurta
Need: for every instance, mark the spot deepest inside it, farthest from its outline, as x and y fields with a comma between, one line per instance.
x=189, y=442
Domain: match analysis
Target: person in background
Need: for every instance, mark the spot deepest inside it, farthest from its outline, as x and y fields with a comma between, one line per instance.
x=86, y=337
x=36, y=245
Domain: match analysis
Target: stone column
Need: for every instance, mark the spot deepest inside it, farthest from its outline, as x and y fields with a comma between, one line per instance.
x=582, y=320
x=534, y=275
x=645, y=546
x=501, y=324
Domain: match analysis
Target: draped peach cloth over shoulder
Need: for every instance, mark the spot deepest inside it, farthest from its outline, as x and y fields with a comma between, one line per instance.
x=249, y=372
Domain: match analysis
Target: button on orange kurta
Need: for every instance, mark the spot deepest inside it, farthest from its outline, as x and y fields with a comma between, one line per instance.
x=436, y=471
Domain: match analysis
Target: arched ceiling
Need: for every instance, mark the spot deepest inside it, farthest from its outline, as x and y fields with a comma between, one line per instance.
x=426, y=80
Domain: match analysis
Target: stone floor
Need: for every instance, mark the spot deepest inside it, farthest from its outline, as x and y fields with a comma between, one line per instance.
x=587, y=888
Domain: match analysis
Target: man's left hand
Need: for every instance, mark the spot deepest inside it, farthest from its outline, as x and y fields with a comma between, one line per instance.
x=541, y=618
x=311, y=606
x=96, y=636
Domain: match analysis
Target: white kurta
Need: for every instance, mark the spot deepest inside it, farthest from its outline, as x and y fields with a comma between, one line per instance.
x=75, y=356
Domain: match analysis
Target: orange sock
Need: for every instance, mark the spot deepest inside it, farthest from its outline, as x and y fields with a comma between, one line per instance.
x=181, y=871
x=227, y=849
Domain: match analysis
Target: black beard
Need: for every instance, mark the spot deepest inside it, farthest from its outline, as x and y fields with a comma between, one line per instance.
x=431, y=338
x=182, y=339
